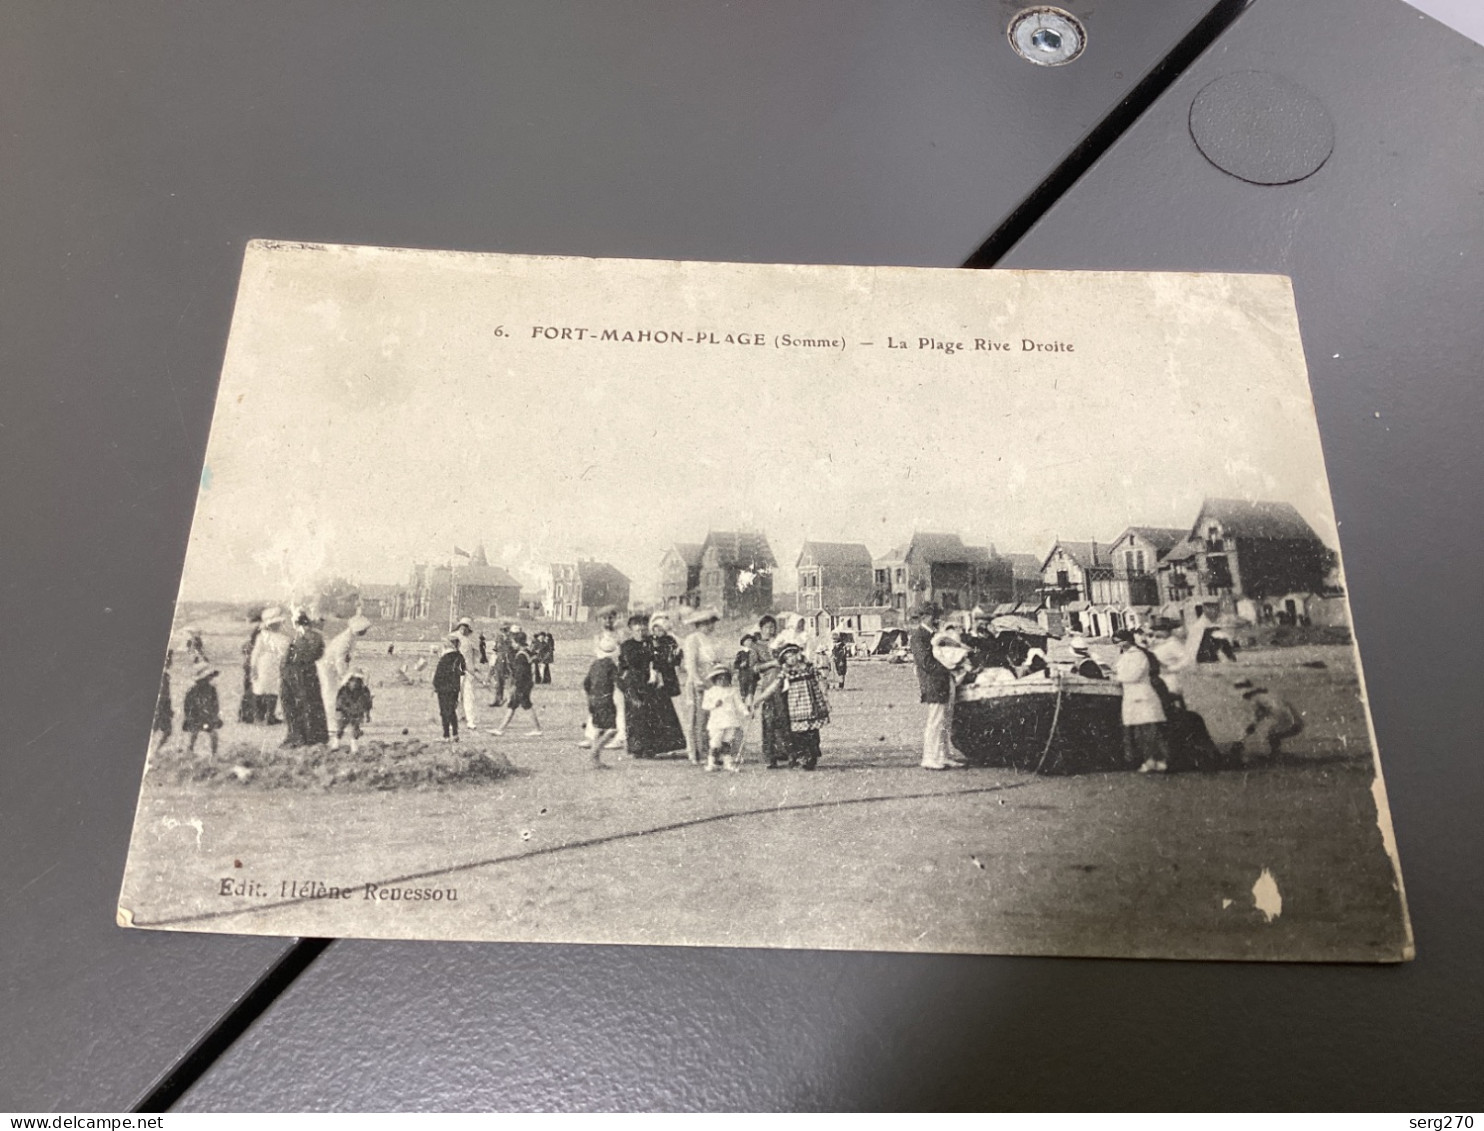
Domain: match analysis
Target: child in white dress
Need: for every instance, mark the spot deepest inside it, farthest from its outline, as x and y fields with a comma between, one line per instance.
x=726, y=715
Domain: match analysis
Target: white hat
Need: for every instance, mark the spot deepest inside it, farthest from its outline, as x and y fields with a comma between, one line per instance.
x=359, y=624
x=465, y=622
x=1078, y=644
x=702, y=616
x=272, y=615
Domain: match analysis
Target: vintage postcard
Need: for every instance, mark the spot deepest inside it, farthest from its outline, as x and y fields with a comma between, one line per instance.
x=619, y=601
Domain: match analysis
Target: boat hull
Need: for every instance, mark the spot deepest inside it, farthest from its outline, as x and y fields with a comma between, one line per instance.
x=1053, y=726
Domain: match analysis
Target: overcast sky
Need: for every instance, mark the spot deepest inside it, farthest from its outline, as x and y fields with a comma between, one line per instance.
x=371, y=416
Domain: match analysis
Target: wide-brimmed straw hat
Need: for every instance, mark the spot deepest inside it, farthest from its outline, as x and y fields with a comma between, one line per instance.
x=718, y=669
x=359, y=624
x=202, y=670
x=272, y=615
x=703, y=616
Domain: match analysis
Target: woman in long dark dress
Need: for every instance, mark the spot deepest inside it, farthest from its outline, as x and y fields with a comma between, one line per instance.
x=642, y=692
x=302, y=702
x=635, y=681
x=664, y=659
x=770, y=700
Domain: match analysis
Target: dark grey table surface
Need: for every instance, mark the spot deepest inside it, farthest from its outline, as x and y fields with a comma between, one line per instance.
x=139, y=150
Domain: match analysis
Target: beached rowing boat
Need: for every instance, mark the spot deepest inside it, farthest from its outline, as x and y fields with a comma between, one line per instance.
x=1052, y=724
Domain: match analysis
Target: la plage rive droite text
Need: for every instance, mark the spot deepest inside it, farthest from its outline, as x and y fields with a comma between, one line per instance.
x=808, y=340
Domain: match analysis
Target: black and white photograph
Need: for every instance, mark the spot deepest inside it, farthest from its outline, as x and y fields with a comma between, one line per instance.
x=680, y=603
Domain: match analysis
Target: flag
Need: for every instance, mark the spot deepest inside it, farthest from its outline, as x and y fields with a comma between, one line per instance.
x=458, y=553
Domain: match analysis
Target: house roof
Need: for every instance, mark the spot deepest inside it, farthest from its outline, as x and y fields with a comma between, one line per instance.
x=688, y=552
x=1085, y=554
x=979, y=555
x=1024, y=565
x=1182, y=551
x=1162, y=538
x=931, y=548
x=1242, y=519
x=746, y=548
x=835, y=554
x=600, y=571
x=489, y=575
x=894, y=555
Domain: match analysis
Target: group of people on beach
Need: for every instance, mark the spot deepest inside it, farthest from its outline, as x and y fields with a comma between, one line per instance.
x=654, y=693
x=514, y=666
x=632, y=687
x=298, y=681
x=1160, y=731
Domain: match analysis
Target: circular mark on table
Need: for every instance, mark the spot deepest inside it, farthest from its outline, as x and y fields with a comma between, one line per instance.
x=1261, y=128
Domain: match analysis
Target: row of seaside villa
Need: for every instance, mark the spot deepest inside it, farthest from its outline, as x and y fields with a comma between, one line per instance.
x=1258, y=562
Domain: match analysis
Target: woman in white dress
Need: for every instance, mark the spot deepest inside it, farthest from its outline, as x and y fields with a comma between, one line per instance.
x=700, y=653
x=268, y=653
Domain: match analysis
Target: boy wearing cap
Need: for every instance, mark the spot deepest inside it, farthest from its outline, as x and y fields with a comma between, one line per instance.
x=599, y=684
x=742, y=664
x=448, y=681
x=1273, y=720
x=352, y=708
x=726, y=714
x=839, y=658
x=201, y=710
x=521, y=682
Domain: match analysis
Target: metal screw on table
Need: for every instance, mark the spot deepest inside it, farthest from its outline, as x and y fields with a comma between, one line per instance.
x=1046, y=36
